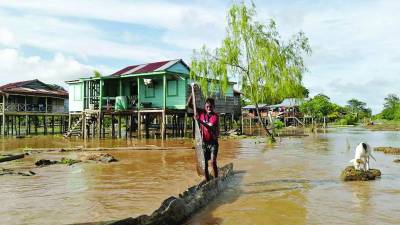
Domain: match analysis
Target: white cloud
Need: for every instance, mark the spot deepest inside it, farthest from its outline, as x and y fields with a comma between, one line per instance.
x=7, y=38
x=16, y=67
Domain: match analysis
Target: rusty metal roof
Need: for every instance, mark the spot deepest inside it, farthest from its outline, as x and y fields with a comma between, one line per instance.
x=147, y=68
x=34, y=87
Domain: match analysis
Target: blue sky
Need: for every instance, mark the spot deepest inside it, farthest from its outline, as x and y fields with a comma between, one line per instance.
x=356, y=44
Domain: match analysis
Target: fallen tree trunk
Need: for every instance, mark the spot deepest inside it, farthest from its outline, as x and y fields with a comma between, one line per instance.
x=6, y=158
x=176, y=210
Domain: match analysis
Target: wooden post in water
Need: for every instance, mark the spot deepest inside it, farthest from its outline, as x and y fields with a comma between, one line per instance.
x=36, y=124
x=146, y=125
x=19, y=125
x=61, y=124
x=12, y=125
x=119, y=127
x=163, y=130
x=103, y=118
x=44, y=125
x=52, y=125
x=126, y=126
x=4, y=114
x=112, y=126
x=132, y=125
x=185, y=123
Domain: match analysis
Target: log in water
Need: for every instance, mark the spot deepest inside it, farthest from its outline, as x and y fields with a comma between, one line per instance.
x=175, y=210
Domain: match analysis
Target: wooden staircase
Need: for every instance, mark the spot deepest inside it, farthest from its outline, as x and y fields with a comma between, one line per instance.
x=76, y=128
x=296, y=119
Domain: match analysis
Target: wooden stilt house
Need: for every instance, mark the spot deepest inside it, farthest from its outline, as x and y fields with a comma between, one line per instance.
x=32, y=107
x=133, y=100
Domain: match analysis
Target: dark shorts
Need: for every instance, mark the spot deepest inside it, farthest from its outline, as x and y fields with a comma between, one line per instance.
x=210, y=148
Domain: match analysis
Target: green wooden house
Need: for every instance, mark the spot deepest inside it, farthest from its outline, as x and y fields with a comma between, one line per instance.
x=159, y=87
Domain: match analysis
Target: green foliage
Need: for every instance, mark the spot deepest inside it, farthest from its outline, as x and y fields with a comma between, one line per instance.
x=348, y=119
x=391, y=109
x=278, y=124
x=319, y=106
x=358, y=108
x=267, y=68
x=96, y=73
x=69, y=161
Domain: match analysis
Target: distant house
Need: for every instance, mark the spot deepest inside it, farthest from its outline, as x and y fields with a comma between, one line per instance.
x=24, y=101
x=154, y=88
x=287, y=111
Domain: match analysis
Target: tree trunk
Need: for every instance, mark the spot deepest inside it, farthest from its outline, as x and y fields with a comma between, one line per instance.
x=263, y=124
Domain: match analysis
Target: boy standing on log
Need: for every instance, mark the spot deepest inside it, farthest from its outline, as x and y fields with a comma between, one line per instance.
x=209, y=128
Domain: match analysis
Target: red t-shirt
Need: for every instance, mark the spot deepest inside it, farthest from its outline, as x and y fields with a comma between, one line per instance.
x=209, y=135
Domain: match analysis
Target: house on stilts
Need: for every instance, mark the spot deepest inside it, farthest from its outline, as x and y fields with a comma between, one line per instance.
x=33, y=107
x=140, y=100
x=287, y=111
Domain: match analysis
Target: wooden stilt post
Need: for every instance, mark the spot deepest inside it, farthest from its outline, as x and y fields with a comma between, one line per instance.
x=139, y=125
x=163, y=131
x=26, y=125
x=19, y=125
x=4, y=114
x=8, y=125
x=44, y=125
x=146, y=125
x=126, y=126
x=138, y=107
x=36, y=124
x=12, y=125
x=241, y=124
x=99, y=123
x=119, y=127
x=52, y=125
x=61, y=124
x=131, y=125
x=103, y=118
x=185, y=124
x=29, y=125
x=112, y=126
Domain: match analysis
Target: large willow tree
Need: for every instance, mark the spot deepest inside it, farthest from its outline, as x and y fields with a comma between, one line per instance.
x=266, y=68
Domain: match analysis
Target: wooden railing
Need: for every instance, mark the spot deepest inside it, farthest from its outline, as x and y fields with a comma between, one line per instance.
x=40, y=108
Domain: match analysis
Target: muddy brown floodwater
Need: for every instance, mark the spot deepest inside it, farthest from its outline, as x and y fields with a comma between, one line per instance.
x=295, y=181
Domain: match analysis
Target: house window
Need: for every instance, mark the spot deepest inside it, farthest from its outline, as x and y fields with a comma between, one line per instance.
x=149, y=91
x=77, y=93
x=172, y=88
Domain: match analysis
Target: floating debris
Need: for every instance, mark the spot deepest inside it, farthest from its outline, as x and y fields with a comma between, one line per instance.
x=6, y=158
x=351, y=174
x=388, y=150
x=12, y=172
x=45, y=162
x=98, y=157
x=68, y=161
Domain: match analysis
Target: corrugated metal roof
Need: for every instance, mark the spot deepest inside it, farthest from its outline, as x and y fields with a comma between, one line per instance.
x=147, y=68
x=33, y=87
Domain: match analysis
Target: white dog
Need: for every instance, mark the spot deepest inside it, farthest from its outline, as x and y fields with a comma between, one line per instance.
x=361, y=157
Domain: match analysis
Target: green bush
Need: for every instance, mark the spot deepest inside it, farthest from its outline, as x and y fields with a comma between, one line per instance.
x=348, y=120
x=278, y=124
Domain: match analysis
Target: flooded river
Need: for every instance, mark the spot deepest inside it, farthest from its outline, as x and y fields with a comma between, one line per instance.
x=295, y=181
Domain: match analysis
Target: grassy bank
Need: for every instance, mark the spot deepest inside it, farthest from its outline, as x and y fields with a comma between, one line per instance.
x=384, y=125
